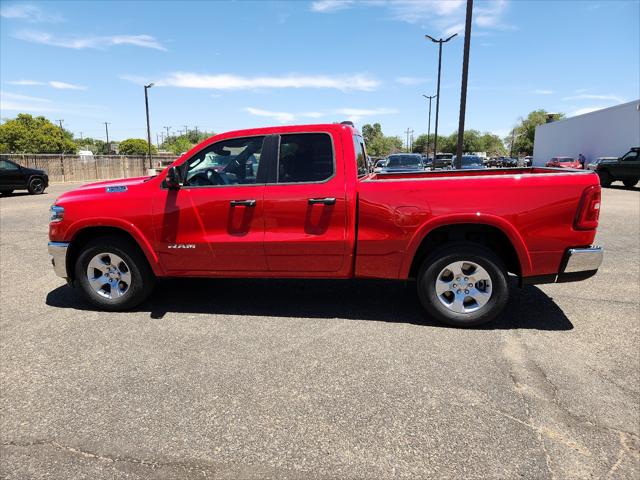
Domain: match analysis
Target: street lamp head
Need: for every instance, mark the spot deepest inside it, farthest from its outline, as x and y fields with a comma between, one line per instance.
x=149, y=86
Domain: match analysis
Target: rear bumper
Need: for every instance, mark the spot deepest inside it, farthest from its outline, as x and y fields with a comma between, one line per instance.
x=58, y=252
x=577, y=264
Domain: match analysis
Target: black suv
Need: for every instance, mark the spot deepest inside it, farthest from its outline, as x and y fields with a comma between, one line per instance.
x=15, y=177
x=626, y=169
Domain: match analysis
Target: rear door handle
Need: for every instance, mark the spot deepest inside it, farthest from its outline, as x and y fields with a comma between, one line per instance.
x=322, y=201
x=243, y=203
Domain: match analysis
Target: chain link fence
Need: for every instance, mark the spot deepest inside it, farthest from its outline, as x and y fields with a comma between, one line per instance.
x=80, y=168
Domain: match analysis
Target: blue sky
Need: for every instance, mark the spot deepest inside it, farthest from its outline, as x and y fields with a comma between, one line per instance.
x=228, y=65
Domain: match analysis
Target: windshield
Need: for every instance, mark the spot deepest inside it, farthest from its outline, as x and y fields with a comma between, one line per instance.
x=404, y=161
x=471, y=160
x=565, y=160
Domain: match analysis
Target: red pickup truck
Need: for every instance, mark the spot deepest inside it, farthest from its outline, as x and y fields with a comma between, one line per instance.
x=301, y=201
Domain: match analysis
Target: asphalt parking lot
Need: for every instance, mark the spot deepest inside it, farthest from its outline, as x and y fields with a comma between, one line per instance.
x=296, y=379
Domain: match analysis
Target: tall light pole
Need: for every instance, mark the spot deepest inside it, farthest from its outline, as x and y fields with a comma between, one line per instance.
x=439, y=42
x=463, y=88
x=429, y=124
x=146, y=104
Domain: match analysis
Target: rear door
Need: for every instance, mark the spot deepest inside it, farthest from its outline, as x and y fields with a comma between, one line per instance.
x=305, y=211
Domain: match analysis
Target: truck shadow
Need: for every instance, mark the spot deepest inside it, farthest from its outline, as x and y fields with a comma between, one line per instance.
x=375, y=300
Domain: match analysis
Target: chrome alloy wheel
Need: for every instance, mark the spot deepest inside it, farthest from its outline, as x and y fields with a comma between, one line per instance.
x=109, y=275
x=463, y=287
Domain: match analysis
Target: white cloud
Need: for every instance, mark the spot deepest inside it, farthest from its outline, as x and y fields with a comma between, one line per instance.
x=586, y=96
x=30, y=13
x=101, y=42
x=23, y=103
x=353, y=114
x=282, y=117
x=411, y=80
x=52, y=83
x=457, y=28
x=66, y=86
x=582, y=111
x=328, y=6
x=223, y=81
x=541, y=91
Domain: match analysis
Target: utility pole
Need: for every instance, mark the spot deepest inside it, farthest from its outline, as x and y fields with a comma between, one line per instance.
x=167, y=128
x=429, y=124
x=106, y=129
x=196, y=129
x=439, y=42
x=81, y=136
x=408, y=131
x=463, y=89
x=61, y=133
x=146, y=104
x=186, y=129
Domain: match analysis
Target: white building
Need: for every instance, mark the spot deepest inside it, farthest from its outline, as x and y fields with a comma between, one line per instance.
x=609, y=132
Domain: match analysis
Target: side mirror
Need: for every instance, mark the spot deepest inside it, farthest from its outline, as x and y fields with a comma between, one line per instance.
x=174, y=178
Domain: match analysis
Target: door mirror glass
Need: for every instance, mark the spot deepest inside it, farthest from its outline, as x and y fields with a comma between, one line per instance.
x=174, y=178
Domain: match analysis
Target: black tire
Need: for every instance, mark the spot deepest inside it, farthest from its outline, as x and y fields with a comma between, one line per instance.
x=631, y=182
x=6, y=192
x=463, y=252
x=142, y=277
x=605, y=178
x=36, y=186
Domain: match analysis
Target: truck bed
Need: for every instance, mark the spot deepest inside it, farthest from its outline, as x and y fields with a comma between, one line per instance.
x=484, y=172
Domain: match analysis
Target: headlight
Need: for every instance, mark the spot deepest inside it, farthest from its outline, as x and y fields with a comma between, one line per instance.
x=56, y=213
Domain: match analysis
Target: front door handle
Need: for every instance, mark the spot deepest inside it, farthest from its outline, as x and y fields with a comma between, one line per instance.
x=243, y=203
x=322, y=201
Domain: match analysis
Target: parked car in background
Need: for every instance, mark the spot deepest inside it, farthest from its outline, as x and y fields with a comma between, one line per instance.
x=380, y=164
x=404, y=162
x=625, y=169
x=16, y=177
x=442, y=160
x=509, y=162
x=564, y=162
x=528, y=160
x=594, y=163
x=428, y=161
x=313, y=210
x=469, y=162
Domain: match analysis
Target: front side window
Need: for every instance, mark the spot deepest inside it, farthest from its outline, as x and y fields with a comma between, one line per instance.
x=305, y=157
x=5, y=165
x=228, y=162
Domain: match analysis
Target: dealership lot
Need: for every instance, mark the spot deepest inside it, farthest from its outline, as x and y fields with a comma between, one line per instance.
x=316, y=379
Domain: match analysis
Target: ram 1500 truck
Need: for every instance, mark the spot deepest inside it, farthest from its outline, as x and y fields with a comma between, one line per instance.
x=301, y=202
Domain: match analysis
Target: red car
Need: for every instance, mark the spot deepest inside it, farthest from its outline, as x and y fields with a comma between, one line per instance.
x=310, y=208
x=564, y=162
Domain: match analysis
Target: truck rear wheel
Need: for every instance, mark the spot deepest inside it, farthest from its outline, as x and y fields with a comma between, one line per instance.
x=605, y=178
x=463, y=284
x=113, y=274
x=630, y=182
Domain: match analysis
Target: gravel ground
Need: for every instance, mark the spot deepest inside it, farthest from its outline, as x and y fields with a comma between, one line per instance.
x=316, y=379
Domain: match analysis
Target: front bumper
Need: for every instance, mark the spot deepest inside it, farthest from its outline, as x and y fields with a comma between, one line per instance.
x=577, y=264
x=58, y=252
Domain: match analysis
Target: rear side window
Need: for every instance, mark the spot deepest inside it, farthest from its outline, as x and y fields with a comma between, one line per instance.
x=305, y=157
x=361, y=155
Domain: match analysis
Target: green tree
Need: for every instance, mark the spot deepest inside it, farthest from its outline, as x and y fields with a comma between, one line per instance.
x=96, y=146
x=379, y=145
x=29, y=134
x=135, y=146
x=521, y=138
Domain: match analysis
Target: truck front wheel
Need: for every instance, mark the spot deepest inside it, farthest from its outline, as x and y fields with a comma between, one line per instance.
x=113, y=274
x=605, y=178
x=463, y=284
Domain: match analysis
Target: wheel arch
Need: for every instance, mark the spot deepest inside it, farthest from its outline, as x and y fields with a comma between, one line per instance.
x=83, y=234
x=492, y=232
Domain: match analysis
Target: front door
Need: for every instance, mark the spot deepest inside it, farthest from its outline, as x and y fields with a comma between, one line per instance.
x=215, y=221
x=629, y=165
x=10, y=176
x=305, y=211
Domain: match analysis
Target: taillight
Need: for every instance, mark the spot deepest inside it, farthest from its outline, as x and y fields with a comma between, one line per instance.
x=589, y=209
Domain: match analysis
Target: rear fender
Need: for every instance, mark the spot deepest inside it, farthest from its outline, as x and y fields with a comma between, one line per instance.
x=475, y=218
